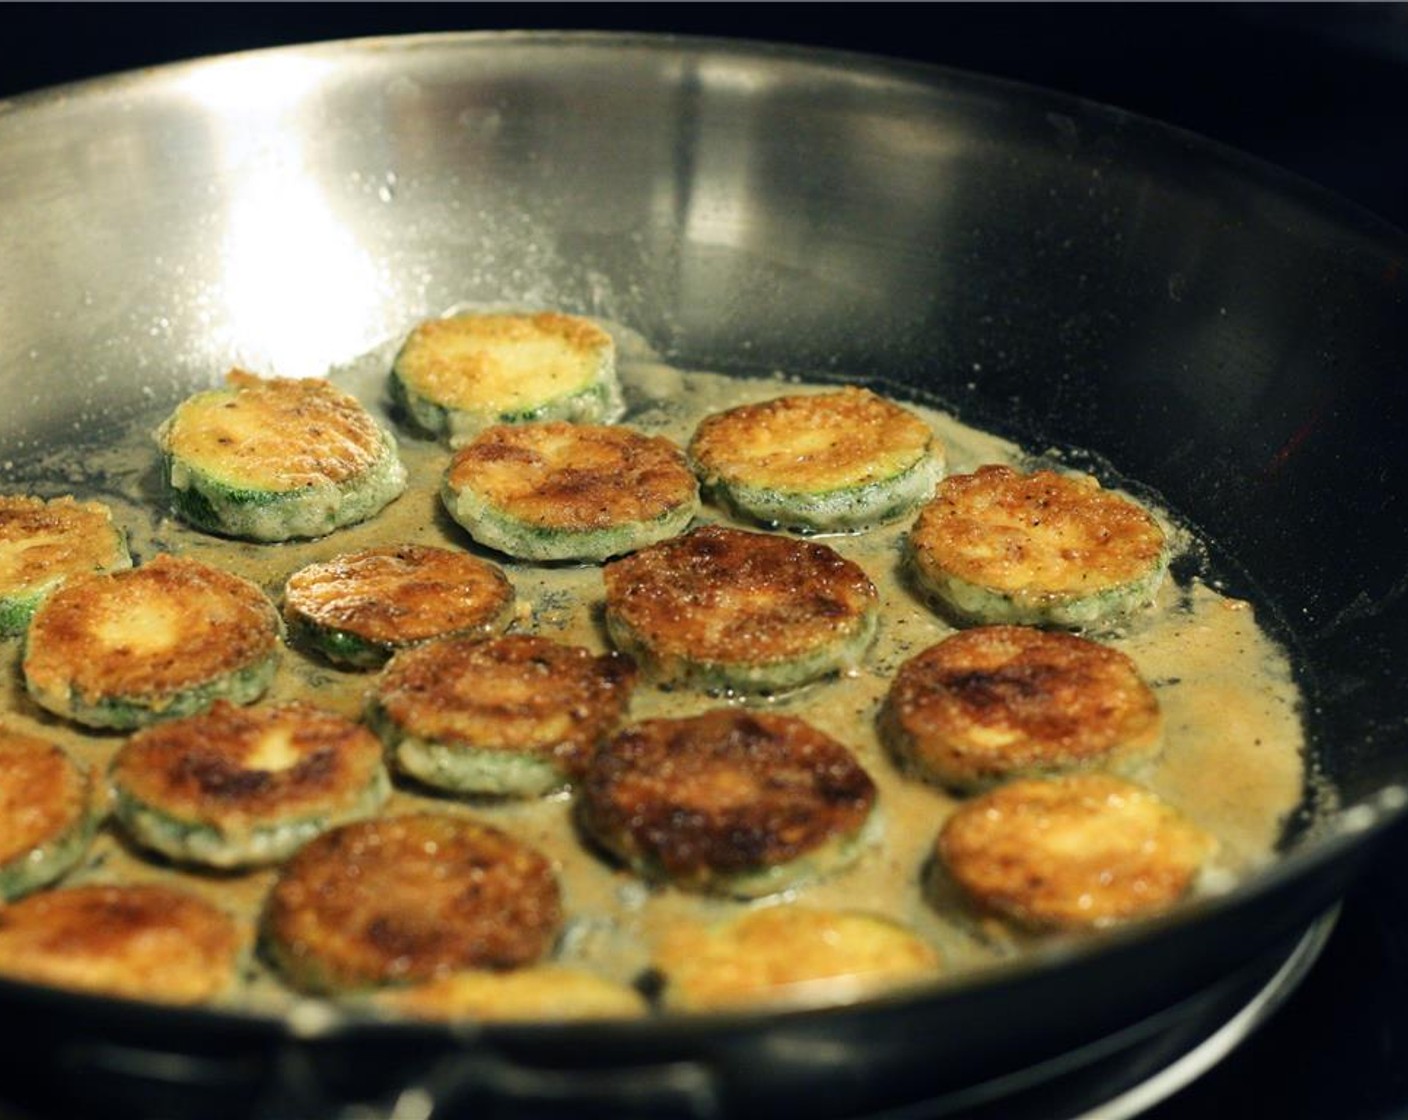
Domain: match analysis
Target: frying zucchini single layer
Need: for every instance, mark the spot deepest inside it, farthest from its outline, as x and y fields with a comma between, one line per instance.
x=729, y=610
x=1071, y=852
x=826, y=462
x=160, y=641
x=359, y=608
x=273, y=459
x=789, y=954
x=1000, y=546
x=43, y=543
x=458, y=375
x=239, y=787
x=559, y=491
x=46, y=813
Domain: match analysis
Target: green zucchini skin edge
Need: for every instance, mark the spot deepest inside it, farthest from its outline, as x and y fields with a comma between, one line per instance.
x=50, y=861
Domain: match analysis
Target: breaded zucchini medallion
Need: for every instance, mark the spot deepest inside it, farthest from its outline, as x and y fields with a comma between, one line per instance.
x=46, y=813
x=996, y=702
x=458, y=375
x=998, y=546
x=274, y=459
x=789, y=954
x=730, y=802
x=539, y=993
x=160, y=641
x=235, y=787
x=559, y=491
x=359, y=608
x=517, y=715
x=409, y=898
x=725, y=609
x=43, y=543
x=1071, y=852
x=141, y=942
x=826, y=462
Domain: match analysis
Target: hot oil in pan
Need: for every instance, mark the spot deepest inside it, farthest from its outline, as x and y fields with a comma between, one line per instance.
x=1233, y=756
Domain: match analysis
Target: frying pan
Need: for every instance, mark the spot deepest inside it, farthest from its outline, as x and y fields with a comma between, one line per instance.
x=1066, y=274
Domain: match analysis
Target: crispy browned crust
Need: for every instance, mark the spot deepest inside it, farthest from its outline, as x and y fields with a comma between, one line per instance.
x=285, y=433
x=547, y=993
x=76, y=641
x=42, y=541
x=1072, y=852
x=721, y=794
x=519, y=693
x=143, y=941
x=43, y=794
x=1000, y=700
x=725, y=596
x=410, y=898
x=851, y=437
x=401, y=594
x=210, y=767
x=1037, y=533
x=574, y=477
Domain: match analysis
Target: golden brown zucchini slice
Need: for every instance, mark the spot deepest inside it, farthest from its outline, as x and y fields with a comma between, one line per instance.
x=1071, y=852
x=46, y=813
x=141, y=942
x=160, y=641
x=517, y=715
x=237, y=787
x=998, y=702
x=458, y=375
x=43, y=543
x=559, y=491
x=789, y=954
x=539, y=993
x=409, y=898
x=724, y=609
x=819, y=463
x=274, y=459
x=730, y=802
x=999, y=546
x=359, y=608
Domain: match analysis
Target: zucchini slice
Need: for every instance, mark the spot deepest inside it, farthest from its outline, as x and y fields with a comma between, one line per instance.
x=518, y=715
x=240, y=787
x=458, y=375
x=43, y=543
x=559, y=491
x=538, y=993
x=998, y=702
x=142, y=941
x=724, y=609
x=999, y=546
x=274, y=459
x=1072, y=852
x=789, y=954
x=359, y=608
x=818, y=463
x=731, y=802
x=160, y=641
x=409, y=898
x=46, y=813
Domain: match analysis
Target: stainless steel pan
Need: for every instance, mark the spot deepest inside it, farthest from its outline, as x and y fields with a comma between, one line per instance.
x=1068, y=274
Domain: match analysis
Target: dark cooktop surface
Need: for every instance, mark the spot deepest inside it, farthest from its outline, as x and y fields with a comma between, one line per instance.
x=1319, y=90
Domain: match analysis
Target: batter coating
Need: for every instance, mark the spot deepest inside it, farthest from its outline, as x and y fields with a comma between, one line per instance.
x=234, y=787
x=1072, y=852
x=997, y=702
x=409, y=898
x=999, y=546
x=729, y=802
x=160, y=641
x=359, y=608
x=722, y=609
x=141, y=942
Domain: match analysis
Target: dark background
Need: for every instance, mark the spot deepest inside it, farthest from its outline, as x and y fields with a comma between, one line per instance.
x=1321, y=90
